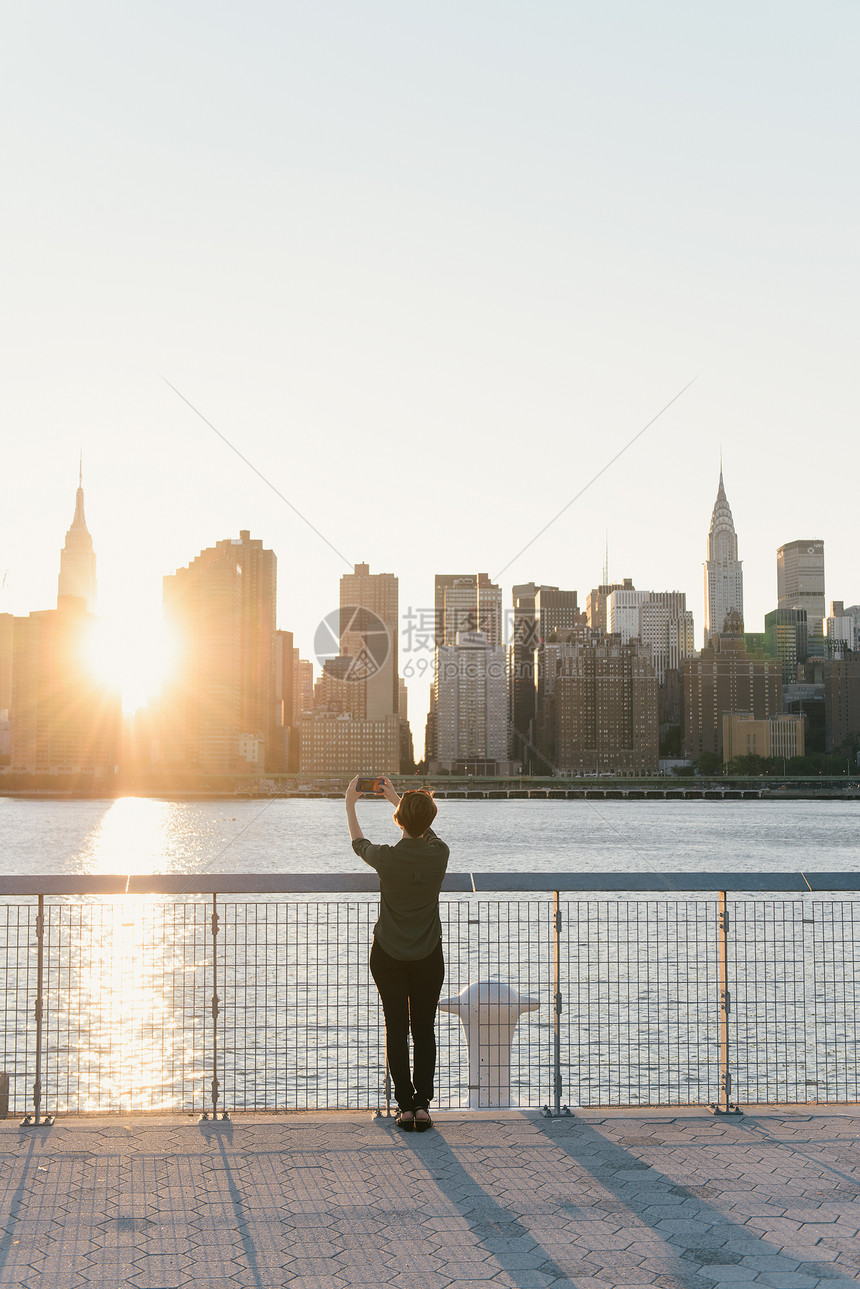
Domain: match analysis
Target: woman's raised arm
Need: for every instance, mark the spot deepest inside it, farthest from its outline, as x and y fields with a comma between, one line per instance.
x=352, y=795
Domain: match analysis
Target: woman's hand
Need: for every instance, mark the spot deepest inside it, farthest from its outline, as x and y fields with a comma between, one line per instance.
x=352, y=794
x=390, y=792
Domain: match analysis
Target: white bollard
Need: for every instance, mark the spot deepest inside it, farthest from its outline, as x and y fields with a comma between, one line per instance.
x=489, y=1012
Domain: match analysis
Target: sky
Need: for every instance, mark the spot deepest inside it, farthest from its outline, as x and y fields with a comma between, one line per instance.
x=428, y=268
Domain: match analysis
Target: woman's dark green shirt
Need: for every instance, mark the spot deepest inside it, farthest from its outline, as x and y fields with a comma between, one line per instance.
x=410, y=878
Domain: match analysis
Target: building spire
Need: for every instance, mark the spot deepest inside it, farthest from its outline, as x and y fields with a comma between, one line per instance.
x=79, y=523
x=77, y=581
x=724, y=588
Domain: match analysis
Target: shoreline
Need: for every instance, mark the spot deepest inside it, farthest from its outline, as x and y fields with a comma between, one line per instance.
x=706, y=790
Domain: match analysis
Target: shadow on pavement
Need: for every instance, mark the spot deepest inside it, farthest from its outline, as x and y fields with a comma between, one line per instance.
x=13, y=1214
x=499, y=1231
x=219, y=1132
x=635, y=1191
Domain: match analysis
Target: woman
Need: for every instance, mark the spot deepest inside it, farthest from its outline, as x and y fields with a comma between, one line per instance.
x=406, y=958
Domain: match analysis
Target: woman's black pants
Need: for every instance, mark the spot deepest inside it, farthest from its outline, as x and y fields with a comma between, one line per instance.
x=410, y=995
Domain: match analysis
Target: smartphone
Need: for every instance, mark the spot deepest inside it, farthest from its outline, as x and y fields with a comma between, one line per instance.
x=376, y=786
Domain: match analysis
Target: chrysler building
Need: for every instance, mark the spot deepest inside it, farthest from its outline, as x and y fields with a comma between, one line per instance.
x=724, y=577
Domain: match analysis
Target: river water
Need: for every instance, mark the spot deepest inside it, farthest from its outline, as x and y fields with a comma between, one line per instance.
x=141, y=835
x=128, y=985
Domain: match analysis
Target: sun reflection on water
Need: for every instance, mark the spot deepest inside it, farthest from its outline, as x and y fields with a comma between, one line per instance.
x=131, y=837
x=135, y=1000
x=134, y=986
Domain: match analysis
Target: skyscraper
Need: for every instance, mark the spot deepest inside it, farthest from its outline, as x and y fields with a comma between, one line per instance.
x=843, y=630
x=660, y=619
x=786, y=637
x=469, y=703
x=842, y=704
x=605, y=707
x=284, y=752
x=555, y=611
x=77, y=578
x=356, y=724
x=800, y=585
x=521, y=674
x=303, y=672
x=724, y=578
x=471, y=706
x=365, y=596
x=6, y=633
x=597, y=601
x=467, y=603
x=622, y=613
x=62, y=718
x=539, y=613
x=219, y=710
x=722, y=680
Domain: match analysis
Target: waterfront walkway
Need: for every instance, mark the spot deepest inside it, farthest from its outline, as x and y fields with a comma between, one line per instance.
x=675, y=1199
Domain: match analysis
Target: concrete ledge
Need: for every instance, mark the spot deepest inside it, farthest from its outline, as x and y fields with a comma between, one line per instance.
x=368, y=884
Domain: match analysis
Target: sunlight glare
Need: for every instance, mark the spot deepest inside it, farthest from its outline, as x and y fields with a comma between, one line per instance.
x=132, y=654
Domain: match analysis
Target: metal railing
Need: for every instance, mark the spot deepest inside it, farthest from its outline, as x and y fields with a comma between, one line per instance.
x=190, y=1001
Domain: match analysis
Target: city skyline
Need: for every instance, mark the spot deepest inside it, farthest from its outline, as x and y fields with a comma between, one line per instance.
x=428, y=272
x=78, y=557
x=609, y=684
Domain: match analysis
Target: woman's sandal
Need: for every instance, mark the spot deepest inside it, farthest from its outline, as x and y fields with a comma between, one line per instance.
x=421, y=1125
x=405, y=1119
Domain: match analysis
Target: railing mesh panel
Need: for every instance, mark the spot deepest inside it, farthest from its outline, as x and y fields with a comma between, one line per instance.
x=509, y=942
x=126, y=993
x=639, y=986
x=128, y=989
x=794, y=1022
x=18, y=962
x=835, y=978
x=302, y=1023
x=768, y=1050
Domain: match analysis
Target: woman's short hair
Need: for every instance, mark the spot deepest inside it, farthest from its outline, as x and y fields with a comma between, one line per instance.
x=416, y=812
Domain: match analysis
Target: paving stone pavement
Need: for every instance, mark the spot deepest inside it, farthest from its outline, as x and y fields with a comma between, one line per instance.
x=678, y=1200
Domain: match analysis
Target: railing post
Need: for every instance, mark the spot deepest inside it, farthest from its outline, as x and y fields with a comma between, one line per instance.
x=725, y=1105
x=215, y=1115
x=557, y=1110
x=386, y=1092
x=37, y=1119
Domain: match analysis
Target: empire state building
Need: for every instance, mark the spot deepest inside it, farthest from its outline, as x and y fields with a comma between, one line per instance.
x=77, y=579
